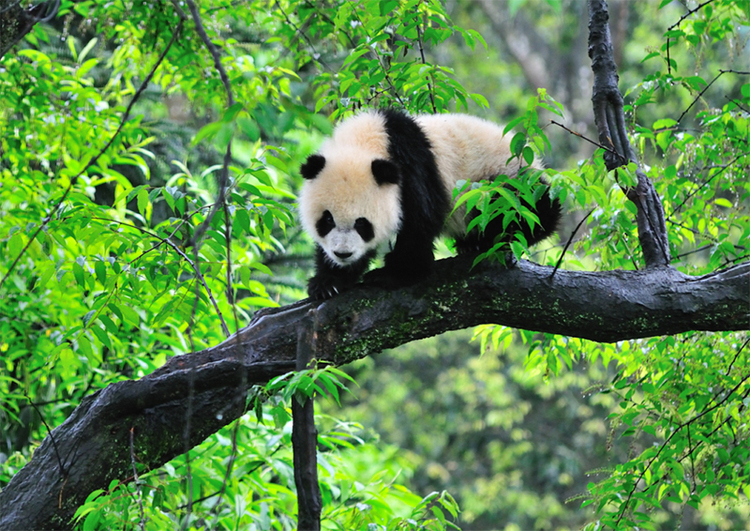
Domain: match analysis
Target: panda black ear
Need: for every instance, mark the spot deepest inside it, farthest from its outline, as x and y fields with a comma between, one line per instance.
x=385, y=172
x=313, y=166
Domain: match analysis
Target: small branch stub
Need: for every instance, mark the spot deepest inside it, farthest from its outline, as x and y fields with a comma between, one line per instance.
x=305, y=436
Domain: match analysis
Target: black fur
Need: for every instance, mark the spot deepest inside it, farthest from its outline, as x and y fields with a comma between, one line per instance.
x=424, y=202
x=548, y=211
x=385, y=172
x=313, y=166
x=364, y=229
x=325, y=224
x=331, y=279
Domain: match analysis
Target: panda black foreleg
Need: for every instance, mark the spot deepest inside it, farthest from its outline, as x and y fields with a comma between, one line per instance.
x=331, y=279
x=411, y=258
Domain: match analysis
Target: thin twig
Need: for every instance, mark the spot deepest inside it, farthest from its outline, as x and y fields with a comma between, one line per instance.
x=700, y=94
x=686, y=15
x=93, y=161
x=570, y=240
x=729, y=369
x=49, y=432
x=691, y=194
x=189, y=409
x=230, y=465
x=224, y=174
x=676, y=24
x=424, y=62
x=316, y=56
x=594, y=142
x=382, y=64
x=193, y=265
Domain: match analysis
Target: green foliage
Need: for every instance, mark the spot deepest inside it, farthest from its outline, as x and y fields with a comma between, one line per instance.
x=102, y=277
x=242, y=478
x=512, y=199
x=309, y=382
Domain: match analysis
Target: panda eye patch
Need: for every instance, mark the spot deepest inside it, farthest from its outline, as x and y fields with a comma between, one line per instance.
x=325, y=224
x=364, y=229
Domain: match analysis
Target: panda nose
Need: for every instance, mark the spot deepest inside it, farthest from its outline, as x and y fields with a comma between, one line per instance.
x=343, y=256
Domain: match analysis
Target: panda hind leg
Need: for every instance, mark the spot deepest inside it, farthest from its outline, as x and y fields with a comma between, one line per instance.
x=547, y=210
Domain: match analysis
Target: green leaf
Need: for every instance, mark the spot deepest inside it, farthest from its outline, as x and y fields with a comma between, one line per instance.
x=231, y=113
x=723, y=202
x=143, y=201
x=517, y=144
x=207, y=132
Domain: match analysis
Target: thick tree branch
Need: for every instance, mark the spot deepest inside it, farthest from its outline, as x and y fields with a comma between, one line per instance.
x=610, y=121
x=94, y=442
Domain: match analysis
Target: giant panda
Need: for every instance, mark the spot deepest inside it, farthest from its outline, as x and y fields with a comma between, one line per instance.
x=385, y=175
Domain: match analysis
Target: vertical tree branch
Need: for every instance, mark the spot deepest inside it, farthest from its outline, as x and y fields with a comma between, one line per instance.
x=610, y=122
x=305, y=436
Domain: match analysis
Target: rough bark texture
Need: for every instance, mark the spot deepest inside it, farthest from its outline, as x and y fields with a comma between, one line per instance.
x=18, y=18
x=610, y=121
x=94, y=446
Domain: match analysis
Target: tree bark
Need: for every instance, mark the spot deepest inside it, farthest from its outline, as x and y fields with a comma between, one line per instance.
x=610, y=121
x=93, y=444
x=305, y=435
x=17, y=19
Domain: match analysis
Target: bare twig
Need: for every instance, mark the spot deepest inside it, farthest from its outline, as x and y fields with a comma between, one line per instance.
x=722, y=169
x=224, y=174
x=594, y=142
x=49, y=432
x=702, y=92
x=570, y=240
x=676, y=24
x=424, y=62
x=382, y=64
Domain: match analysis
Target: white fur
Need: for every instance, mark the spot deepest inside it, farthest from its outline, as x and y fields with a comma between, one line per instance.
x=465, y=147
x=346, y=187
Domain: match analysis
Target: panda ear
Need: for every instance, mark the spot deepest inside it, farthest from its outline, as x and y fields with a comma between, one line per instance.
x=385, y=172
x=313, y=166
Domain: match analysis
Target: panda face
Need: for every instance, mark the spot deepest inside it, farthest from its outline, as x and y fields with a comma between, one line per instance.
x=350, y=205
x=344, y=243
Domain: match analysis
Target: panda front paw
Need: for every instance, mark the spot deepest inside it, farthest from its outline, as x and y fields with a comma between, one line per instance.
x=323, y=287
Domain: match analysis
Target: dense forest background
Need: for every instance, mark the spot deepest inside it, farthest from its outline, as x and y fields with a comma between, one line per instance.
x=147, y=210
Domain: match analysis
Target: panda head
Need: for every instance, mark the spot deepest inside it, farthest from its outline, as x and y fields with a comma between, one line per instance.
x=350, y=203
